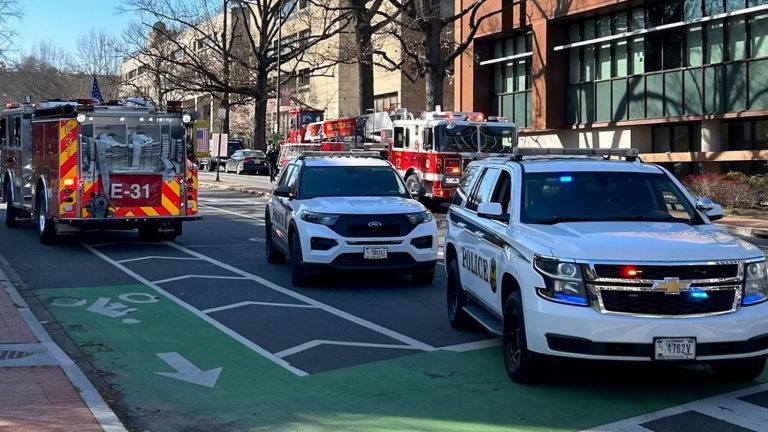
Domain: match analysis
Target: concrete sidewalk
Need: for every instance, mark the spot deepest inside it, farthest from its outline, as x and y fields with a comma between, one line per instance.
x=41, y=389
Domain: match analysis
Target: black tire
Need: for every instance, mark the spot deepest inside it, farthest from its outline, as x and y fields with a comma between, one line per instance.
x=456, y=299
x=209, y=167
x=423, y=277
x=739, y=370
x=299, y=276
x=274, y=256
x=521, y=366
x=11, y=212
x=46, y=227
x=412, y=178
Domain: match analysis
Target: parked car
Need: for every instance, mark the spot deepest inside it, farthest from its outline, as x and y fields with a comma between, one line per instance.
x=565, y=254
x=348, y=213
x=209, y=163
x=247, y=161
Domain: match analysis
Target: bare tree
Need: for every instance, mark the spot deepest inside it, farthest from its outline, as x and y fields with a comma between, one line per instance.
x=427, y=40
x=43, y=74
x=9, y=10
x=202, y=56
x=97, y=54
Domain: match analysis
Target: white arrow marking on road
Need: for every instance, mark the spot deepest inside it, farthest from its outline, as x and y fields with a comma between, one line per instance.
x=102, y=306
x=188, y=372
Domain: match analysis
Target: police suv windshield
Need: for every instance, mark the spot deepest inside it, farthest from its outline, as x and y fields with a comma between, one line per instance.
x=550, y=198
x=350, y=181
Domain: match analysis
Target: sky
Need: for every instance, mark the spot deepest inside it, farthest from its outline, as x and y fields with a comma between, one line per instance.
x=62, y=22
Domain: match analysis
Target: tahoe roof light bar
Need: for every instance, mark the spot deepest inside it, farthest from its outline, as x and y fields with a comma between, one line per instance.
x=322, y=154
x=630, y=154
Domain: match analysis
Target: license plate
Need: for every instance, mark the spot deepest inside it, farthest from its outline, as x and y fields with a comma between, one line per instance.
x=451, y=180
x=674, y=348
x=135, y=190
x=374, y=253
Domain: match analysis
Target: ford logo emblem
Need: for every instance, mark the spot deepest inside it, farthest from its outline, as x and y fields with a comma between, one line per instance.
x=374, y=224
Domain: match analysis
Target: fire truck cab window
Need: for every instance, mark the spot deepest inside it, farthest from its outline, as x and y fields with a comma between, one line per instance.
x=428, y=137
x=400, y=137
x=16, y=137
x=3, y=138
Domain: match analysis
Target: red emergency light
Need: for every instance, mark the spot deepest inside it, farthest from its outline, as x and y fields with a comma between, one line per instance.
x=174, y=106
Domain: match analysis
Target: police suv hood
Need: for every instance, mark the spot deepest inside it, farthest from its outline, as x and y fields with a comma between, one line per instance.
x=640, y=241
x=363, y=205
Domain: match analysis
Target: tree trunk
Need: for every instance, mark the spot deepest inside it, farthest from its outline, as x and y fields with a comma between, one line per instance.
x=260, y=124
x=433, y=74
x=365, y=67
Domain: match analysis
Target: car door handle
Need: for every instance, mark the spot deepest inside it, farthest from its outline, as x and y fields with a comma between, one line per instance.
x=461, y=225
x=480, y=235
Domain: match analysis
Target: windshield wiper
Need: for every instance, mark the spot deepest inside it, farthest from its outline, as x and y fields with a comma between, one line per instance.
x=559, y=219
x=640, y=218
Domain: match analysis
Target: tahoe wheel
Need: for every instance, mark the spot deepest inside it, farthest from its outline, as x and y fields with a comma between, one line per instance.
x=521, y=366
x=274, y=256
x=298, y=274
x=423, y=276
x=739, y=370
x=46, y=227
x=11, y=212
x=457, y=299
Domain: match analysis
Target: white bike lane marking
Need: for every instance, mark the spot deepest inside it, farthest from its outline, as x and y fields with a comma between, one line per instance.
x=410, y=343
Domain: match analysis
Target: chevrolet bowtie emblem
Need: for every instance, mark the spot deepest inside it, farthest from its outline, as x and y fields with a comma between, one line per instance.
x=671, y=285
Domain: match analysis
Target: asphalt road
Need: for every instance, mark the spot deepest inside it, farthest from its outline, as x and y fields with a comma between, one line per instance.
x=203, y=334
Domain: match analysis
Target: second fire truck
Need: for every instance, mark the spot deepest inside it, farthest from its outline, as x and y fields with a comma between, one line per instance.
x=70, y=166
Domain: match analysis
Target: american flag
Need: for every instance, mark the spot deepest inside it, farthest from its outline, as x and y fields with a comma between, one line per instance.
x=202, y=141
x=95, y=92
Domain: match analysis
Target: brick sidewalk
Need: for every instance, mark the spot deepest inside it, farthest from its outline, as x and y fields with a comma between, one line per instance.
x=37, y=390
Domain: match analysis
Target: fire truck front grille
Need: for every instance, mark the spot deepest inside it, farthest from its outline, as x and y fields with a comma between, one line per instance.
x=373, y=226
x=654, y=303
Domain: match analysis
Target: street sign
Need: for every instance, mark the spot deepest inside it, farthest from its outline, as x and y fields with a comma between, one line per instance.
x=222, y=114
x=219, y=145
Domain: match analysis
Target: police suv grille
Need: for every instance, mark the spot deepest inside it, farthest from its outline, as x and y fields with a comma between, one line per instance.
x=394, y=259
x=682, y=272
x=396, y=225
x=661, y=303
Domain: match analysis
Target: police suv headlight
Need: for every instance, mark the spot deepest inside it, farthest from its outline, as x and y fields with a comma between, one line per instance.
x=319, y=218
x=755, y=284
x=420, y=217
x=564, y=281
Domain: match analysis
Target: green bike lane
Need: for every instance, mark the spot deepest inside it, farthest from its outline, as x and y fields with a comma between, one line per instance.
x=136, y=339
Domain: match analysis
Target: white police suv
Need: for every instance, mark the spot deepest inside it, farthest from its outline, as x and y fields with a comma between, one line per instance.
x=573, y=254
x=348, y=213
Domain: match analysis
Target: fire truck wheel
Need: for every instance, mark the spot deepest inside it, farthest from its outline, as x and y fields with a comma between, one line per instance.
x=46, y=228
x=299, y=276
x=410, y=180
x=274, y=256
x=11, y=212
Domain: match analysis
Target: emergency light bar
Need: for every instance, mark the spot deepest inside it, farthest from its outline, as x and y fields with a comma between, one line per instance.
x=361, y=154
x=520, y=152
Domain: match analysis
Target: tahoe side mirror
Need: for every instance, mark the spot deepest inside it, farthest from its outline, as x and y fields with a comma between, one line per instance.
x=282, y=191
x=712, y=210
x=490, y=210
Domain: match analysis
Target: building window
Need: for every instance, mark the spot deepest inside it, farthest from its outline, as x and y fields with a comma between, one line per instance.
x=512, y=80
x=385, y=102
x=302, y=79
x=697, y=68
x=678, y=138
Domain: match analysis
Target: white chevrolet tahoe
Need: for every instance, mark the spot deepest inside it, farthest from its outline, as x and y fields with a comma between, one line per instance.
x=348, y=213
x=588, y=257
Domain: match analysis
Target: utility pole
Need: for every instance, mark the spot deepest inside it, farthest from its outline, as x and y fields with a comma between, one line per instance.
x=225, y=53
x=279, y=63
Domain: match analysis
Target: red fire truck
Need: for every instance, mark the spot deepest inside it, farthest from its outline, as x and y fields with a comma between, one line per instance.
x=435, y=148
x=297, y=121
x=71, y=166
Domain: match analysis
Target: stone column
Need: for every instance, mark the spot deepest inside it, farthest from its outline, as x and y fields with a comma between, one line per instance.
x=711, y=142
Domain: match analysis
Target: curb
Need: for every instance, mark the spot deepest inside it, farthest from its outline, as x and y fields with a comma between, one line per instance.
x=103, y=414
x=745, y=231
x=236, y=188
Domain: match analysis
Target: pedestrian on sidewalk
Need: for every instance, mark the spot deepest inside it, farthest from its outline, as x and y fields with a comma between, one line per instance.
x=272, y=156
